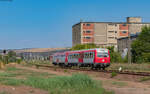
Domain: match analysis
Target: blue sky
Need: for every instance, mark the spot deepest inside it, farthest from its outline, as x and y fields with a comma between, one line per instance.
x=48, y=23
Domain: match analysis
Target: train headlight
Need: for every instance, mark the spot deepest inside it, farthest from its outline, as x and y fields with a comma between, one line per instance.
x=103, y=60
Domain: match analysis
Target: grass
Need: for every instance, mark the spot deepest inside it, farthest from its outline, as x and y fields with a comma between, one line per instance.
x=131, y=67
x=75, y=84
x=66, y=84
x=12, y=69
x=120, y=84
x=113, y=74
x=65, y=70
x=4, y=92
x=33, y=62
x=15, y=72
x=11, y=81
x=144, y=79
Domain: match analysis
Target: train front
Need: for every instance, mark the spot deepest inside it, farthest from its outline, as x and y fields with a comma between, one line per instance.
x=102, y=59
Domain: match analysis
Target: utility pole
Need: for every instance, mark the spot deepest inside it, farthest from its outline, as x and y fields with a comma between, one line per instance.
x=129, y=44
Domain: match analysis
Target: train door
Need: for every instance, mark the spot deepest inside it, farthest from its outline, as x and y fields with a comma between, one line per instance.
x=88, y=57
x=81, y=57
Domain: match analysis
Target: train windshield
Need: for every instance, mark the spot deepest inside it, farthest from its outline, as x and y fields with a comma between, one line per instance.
x=102, y=55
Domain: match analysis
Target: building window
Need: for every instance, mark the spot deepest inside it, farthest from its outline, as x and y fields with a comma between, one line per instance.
x=111, y=37
x=88, y=24
x=87, y=37
x=88, y=31
x=124, y=32
x=110, y=31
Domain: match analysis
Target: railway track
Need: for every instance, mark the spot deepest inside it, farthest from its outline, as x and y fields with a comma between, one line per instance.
x=106, y=71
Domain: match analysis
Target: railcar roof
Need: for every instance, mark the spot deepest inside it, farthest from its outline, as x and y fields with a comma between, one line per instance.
x=98, y=49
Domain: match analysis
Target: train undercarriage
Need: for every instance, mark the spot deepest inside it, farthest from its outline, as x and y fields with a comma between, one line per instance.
x=100, y=66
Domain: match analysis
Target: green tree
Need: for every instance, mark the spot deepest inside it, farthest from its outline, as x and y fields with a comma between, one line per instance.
x=141, y=46
x=84, y=46
x=11, y=54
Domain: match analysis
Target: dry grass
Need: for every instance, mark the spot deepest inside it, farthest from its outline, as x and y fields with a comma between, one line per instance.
x=75, y=84
x=131, y=67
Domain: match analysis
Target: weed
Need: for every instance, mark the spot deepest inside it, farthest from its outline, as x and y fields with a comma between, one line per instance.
x=40, y=74
x=77, y=83
x=11, y=81
x=12, y=69
x=144, y=79
x=65, y=70
x=31, y=91
x=113, y=74
x=55, y=69
x=4, y=92
x=131, y=67
x=37, y=66
x=6, y=74
x=119, y=83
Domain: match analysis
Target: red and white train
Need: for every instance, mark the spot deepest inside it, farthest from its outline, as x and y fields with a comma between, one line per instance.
x=95, y=58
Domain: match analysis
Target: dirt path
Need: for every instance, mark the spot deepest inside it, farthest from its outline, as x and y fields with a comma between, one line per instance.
x=121, y=84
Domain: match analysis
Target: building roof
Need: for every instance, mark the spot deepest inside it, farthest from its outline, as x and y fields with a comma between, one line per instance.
x=112, y=23
x=131, y=35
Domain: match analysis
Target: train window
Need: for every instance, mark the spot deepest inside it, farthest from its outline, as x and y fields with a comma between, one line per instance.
x=90, y=55
x=77, y=55
x=73, y=56
x=70, y=56
x=102, y=55
x=84, y=55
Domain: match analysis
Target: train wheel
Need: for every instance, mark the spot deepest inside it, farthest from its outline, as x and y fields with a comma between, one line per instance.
x=103, y=68
x=92, y=67
x=79, y=65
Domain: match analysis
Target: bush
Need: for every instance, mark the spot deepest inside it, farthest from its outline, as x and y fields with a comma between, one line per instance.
x=84, y=46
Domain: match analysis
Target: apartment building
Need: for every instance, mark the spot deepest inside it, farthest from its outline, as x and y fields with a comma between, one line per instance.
x=105, y=33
